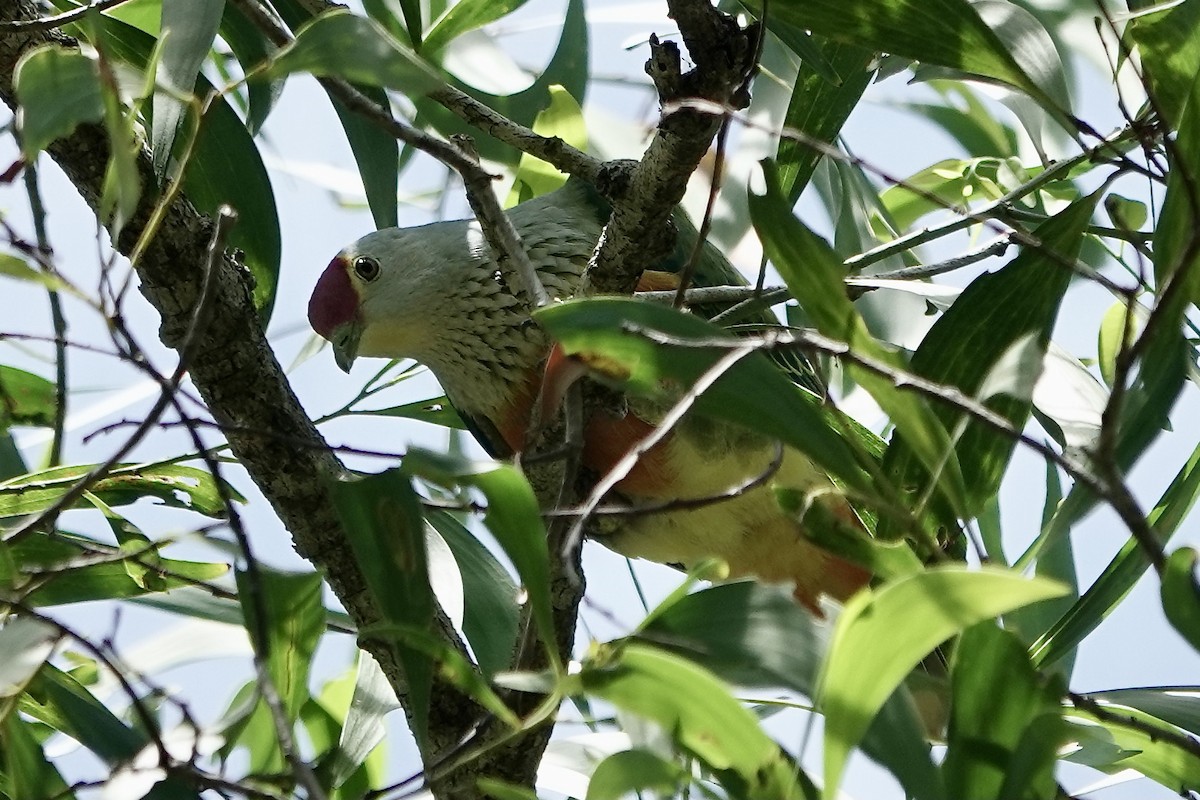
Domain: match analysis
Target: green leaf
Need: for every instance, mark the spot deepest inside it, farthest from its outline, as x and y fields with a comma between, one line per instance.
x=67, y=568
x=491, y=614
x=631, y=771
x=285, y=619
x=187, y=32
x=376, y=152
x=342, y=45
x=818, y=109
x=1111, y=339
x=225, y=168
x=173, y=485
x=613, y=337
x=882, y=634
x=25, y=772
x=251, y=49
x=1126, y=568
x=1181, y=595
x=1175, y=705
x=562, y=118
x=383, y=524
x=60, y=701
x=997, y=698
x=1168, y=44
x=949, y=33
x=436, y=411
x=58, y=90
x=752, y=635
x=1122, y=747
x=27, y=644
x=17, y=268
x=512, y=516
x=362, y=727
x=694, y=708
x=464, y=16
x=377, y=155
x=412, y=20
x=568, y=68
x=26, y=399
x=996, y=313
x=814, y=275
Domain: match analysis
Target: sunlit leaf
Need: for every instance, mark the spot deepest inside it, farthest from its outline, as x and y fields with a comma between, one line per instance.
x=171, y=484
x=695, y=709
x=997, y=697
x=466, y=15
x=882, y=634
x=562, y=118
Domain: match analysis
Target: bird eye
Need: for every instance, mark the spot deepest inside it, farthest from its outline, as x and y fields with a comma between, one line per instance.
x=366, y=268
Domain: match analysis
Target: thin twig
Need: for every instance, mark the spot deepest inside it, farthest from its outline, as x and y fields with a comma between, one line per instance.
x=57, y=20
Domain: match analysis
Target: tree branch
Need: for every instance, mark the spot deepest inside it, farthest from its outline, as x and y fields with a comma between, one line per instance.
x=234, y=369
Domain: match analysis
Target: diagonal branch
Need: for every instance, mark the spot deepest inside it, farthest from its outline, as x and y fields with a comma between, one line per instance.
x=233, y=367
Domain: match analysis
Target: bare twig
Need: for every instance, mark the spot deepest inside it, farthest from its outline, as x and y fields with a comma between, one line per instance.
x=57, y=20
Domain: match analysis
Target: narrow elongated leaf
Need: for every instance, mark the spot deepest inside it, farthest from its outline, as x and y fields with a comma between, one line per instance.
x=188, y=30
x=466, y=15
x=377, y=155
x=225, y=168
x=1181, y=595
x=817, y=110
x=251, y=50
x=376, y=152
x=997, y=698
x=25, y=398
x=814, y=275
x=491, y=615
x=613, y=336
x=171, y=484
x=343, y=45
x=882, y=634
x=949, y=33
x=59, y=90
x=1168, y=45
x=285, y=618
x=512, y=516
x=1129, y=747
x=1177, y=705
x=996, y=311
x=387, y=534
x=696, y=710
x=72, y=569
x=752, y=635
x=1119, y=577
x=28, y=774
x=61, y=702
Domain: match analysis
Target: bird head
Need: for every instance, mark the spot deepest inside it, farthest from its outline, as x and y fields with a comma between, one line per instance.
x=385, y=294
